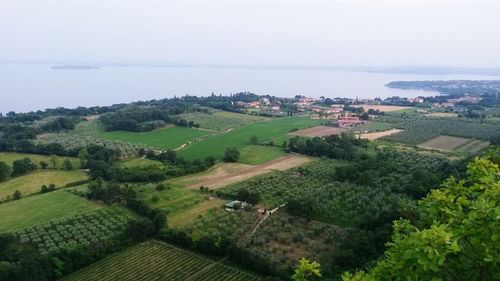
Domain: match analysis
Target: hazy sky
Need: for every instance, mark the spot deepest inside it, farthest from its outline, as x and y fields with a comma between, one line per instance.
x=369, y=32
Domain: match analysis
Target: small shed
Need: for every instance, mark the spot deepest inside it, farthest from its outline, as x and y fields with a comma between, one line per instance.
x=234, y=205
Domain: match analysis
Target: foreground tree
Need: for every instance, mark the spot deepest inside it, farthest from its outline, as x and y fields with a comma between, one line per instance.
x=232, y=154
x=306, y=270
x=23, y=166
x=4, y=171
x=67, y=165
x=456, y=236
x=254, y=140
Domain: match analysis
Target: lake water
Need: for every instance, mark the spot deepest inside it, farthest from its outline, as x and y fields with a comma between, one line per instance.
x=26, y=87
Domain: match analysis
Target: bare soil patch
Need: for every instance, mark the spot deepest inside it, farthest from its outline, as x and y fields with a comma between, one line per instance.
x=447, y=143
x=442, y=114
x=228, y=173
x=385, y=108
x=377, y=135
x=318, y=131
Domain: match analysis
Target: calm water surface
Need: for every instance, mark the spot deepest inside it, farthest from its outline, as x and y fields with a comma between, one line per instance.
x=26, y=87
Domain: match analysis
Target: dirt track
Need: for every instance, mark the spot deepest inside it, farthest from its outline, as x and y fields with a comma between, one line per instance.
x=221, y=176
x=377, y=135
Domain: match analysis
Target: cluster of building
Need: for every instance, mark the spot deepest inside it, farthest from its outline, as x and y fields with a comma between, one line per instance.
x=347, y=121
x=262, y=103
x=452, y=103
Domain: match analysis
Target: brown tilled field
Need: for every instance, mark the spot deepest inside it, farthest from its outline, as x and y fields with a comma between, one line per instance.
x=377, y=135
x=228, y=173
x=318, y=131
x=442, y=114
x=385, y=108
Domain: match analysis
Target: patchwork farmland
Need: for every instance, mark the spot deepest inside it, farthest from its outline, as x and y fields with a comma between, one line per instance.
x=239, y=137
x=42, y=208
x=154, y=260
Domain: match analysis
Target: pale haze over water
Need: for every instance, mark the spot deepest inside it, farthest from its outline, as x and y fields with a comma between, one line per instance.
x=27, y=87
x=237, y=32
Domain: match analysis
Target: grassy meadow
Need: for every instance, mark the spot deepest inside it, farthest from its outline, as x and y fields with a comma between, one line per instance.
x=31, y=183
x=219, y=120
x=165, y=138
x=42, y=208
x=239, y=137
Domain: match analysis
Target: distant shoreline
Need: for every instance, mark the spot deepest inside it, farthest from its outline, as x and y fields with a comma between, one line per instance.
x=410, y=69
x=74, y=66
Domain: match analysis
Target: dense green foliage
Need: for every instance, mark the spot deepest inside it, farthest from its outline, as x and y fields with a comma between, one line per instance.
x=362, y=195
x=84, y=229
x=136, y=119
x=455, y=236
x=232, y=154
x=344, y=146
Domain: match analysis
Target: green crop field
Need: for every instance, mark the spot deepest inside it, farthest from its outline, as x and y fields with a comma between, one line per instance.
x=155, y=260
x=31, y=183
x=258, y=154
x=239, y=137
x=165, y=138
x=42, y=208
x=373, y=127
x=10, y=157
x=174, y=198
x=220, y=120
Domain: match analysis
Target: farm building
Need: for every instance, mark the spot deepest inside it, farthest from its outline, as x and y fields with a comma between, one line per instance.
x=343, y=122
x=234, y=205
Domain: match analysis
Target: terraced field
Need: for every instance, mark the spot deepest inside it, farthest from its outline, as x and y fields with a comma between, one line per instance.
x=31, y=183
x=155, y=260
x=454, y=144
x=42, y=208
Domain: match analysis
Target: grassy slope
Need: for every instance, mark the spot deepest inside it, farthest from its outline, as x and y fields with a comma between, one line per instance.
x=183, y=205
x=139, y=162
x=374, y=127
x=10, y=157
x=174, y=198
x=258, y=154
x=166, y=138
x=41, y=209
x=239, y=137
x=31, y=183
